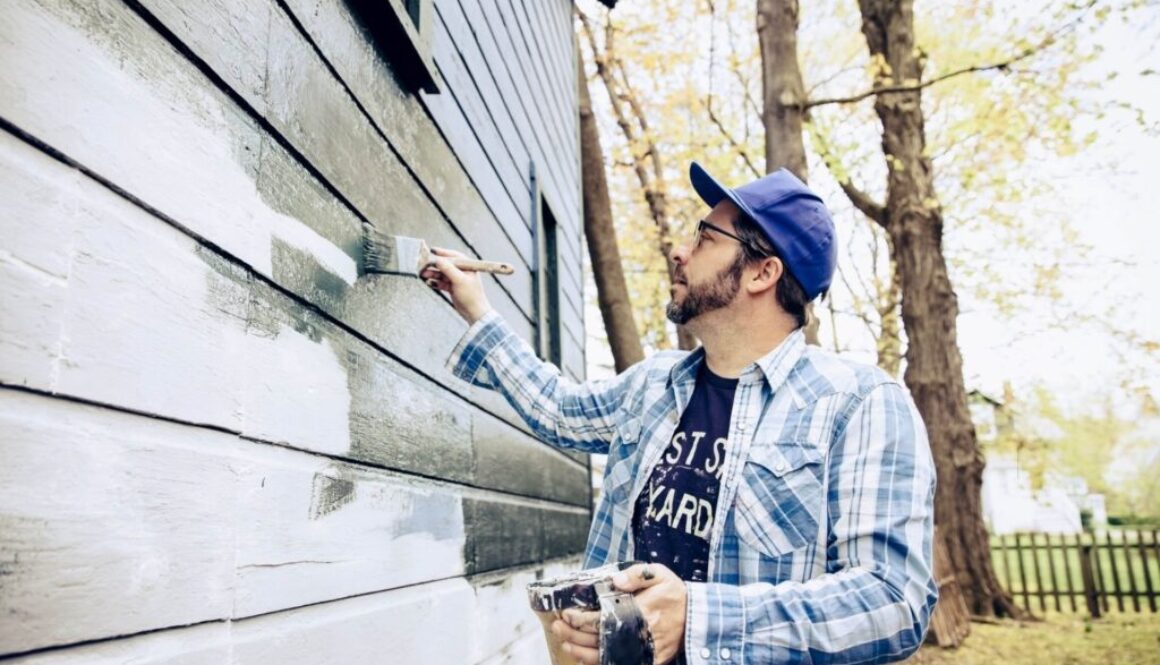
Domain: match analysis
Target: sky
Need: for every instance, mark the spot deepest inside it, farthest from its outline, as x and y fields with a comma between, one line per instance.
x=1116, y=214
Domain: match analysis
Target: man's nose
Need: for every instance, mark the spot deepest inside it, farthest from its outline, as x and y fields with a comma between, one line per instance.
x=679, y=254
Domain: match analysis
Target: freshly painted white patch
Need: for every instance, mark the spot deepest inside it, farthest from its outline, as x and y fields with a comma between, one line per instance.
x=449, y=621
x=159, y=524
x=300, y=395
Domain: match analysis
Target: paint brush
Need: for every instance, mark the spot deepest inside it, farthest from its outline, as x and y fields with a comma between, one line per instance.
x=401, y=255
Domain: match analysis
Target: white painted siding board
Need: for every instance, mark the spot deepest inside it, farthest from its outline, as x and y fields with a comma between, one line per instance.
x=448, y=621
x=547, y=95
x=118, y=511
x=473, y=39
x=528, y=92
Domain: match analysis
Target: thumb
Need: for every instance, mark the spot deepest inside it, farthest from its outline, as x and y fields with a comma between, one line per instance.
x=638, y=577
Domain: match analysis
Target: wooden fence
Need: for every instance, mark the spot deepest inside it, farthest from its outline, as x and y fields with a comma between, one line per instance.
x=1092, y=572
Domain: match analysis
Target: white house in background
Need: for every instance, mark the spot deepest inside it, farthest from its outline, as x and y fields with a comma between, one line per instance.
x=1010, y=503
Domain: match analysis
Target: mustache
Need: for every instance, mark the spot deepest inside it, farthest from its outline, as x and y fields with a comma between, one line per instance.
x=679, y=276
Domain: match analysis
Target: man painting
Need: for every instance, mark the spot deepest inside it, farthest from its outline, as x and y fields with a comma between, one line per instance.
x=780, y=495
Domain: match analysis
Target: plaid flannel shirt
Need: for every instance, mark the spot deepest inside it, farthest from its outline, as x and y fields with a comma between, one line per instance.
x=820, y=551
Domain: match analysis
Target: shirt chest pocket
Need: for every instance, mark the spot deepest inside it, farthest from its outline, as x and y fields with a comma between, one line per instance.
x=780, y=499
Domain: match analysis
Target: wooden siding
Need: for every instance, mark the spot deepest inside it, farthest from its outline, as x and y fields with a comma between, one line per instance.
x=213, y=428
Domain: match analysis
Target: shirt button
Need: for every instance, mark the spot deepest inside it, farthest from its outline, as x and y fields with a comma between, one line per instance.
x=779, y=467
x=725, y=653
x=740, y=427
x=705, y=653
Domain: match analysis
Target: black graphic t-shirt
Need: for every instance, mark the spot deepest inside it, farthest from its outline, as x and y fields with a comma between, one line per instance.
x=674, y=512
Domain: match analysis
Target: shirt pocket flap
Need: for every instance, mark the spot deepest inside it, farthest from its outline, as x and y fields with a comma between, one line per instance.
x=628, y=431
x=785, y=457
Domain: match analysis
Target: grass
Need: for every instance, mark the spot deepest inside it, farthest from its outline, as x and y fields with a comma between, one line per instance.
x=1067, y=639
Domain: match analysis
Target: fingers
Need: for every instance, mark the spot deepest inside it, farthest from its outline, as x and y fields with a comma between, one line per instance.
x=435, y=279
x=578, y=631
x=588, y=622
x=640, y=576
x=585, y=655
x=440, y=251
x=578, y=637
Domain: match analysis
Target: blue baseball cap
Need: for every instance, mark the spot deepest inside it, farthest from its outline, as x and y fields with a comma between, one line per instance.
x=790, y=215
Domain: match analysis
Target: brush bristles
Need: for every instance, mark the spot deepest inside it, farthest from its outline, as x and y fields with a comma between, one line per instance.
x=385, y=253
x=378, y=251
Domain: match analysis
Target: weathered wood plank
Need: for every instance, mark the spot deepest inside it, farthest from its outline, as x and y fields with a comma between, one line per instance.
x=164, y=524
x=195, y=337
x=314, y=110
x=399, y=115
x=503, y=534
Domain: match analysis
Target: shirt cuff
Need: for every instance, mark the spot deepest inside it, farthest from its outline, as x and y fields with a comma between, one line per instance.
x=714, y=623
x=467, y=359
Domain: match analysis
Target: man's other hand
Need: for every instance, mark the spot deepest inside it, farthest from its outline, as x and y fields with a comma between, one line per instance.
x=661, y=597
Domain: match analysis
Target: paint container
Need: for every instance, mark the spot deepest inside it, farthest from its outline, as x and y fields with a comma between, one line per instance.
x=623, y=634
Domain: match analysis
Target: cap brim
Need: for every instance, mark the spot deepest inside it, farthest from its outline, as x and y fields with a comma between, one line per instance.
x=711, y=191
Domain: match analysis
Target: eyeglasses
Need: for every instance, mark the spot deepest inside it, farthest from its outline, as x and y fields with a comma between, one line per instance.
x=702, y=226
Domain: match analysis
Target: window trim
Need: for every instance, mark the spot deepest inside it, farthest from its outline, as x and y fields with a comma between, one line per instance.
x=407, y=48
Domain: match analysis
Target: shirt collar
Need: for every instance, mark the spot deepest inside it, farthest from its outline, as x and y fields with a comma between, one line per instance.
x=778, y=363
x=775, y=366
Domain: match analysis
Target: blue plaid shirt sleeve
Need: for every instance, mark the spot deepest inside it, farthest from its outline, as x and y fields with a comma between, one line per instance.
x=875, y=600
x=580, y=416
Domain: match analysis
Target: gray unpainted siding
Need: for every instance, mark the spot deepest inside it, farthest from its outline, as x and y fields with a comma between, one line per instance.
x=219, y=443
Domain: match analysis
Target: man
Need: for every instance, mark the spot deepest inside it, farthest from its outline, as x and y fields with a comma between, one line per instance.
x=781, y=495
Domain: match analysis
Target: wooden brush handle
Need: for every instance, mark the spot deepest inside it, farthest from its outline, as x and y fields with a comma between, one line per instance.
x=484, y=266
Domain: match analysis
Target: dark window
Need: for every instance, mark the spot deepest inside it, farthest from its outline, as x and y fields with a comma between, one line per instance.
x=548, y=286
x=401, y=31
x=413, y=12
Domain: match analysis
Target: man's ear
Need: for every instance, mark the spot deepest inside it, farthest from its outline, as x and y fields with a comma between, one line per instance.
x=769, y=270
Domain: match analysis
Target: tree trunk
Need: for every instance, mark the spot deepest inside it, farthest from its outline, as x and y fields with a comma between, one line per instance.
x=934, y=371
x=646, y=156
x=783, y=102
x=611, y=290
x=783, y=91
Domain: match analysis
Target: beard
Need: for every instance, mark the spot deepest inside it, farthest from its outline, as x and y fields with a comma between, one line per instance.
x=701, y=298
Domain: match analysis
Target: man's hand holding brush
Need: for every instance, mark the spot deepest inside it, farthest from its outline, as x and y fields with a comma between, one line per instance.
x=464, y=286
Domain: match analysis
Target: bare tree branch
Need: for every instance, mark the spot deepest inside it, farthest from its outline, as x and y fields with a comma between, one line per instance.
x=737, y=146
x=1004, y=66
